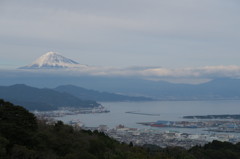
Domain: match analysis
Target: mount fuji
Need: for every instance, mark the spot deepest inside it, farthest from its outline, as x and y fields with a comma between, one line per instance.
x=52, y=60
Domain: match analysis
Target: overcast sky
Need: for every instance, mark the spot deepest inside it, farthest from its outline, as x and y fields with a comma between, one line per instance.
x=122, y=33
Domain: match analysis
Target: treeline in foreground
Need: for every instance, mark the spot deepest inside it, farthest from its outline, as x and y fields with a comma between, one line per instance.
x=22, y=136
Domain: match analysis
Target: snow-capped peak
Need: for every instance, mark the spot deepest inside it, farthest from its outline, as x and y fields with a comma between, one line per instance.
x=52, y=60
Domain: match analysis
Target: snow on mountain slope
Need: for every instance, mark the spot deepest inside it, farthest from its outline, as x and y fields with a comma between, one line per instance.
x=52, y=60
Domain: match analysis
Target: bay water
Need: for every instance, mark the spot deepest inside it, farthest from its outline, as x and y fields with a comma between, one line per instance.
x=153, y=111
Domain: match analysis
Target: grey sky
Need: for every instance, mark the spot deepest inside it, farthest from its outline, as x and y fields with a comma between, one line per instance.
x=122, y=33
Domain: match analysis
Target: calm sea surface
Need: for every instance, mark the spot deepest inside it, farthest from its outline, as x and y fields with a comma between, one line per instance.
x=168, y=110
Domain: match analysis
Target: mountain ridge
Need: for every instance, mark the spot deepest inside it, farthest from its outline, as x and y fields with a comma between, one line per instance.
x=51, y=99
x=41, y=99
x=88, y=94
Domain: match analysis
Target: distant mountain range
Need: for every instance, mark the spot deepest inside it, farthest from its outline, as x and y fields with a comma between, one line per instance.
x=222, y=89
x=62, y=96
x=83, y=93
x=74, y=96
x=70, y=95
x=217, y=89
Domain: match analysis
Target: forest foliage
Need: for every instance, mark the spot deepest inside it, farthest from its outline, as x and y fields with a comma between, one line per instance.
x=23, y=136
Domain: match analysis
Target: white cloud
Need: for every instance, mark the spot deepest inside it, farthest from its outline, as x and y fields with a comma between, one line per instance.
x=200, y=72
x=206, y=72
x=180, y=75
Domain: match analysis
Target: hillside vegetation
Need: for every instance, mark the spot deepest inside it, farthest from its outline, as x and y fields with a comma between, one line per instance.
x=22, y=136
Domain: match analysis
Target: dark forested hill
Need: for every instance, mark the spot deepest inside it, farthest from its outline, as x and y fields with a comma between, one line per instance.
x=41, y=99
x=22, y=136
x=83, y=93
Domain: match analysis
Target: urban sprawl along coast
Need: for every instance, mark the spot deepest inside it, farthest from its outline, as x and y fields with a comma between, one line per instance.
x=161, y=133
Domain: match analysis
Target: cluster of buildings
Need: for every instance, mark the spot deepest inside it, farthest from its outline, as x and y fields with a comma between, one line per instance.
x=70, y=111
x=161, y=138
x=164, y=138
x=209, y=125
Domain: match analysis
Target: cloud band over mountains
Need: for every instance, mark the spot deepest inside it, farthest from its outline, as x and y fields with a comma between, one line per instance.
x=53, y=63
x=157, y=73
x=231, y=71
